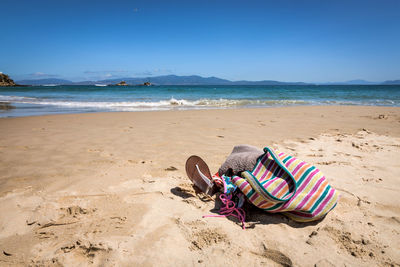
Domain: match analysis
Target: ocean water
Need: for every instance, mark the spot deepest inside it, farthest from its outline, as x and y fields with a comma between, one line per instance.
x=41, y=100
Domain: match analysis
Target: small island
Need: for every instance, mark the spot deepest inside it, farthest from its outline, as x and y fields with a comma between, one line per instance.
x=122, y=83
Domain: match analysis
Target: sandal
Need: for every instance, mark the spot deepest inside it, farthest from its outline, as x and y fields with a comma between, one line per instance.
x=199, y=173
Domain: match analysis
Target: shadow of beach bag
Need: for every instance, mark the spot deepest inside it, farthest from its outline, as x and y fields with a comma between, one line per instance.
x=282, y=183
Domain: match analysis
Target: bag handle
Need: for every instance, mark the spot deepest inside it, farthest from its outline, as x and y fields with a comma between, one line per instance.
x=264, y=192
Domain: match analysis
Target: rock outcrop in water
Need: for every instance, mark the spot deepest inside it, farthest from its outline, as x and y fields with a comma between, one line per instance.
x=5, y=80
x=122, y=83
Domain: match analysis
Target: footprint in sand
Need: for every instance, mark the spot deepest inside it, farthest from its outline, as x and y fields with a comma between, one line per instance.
x=70, y=215
x=357, y=248
x=274, y=255
x=75, y=211
x=207, y=237
x=200, y=235
x=324, y=263
x=382, y=117
x=87, y=249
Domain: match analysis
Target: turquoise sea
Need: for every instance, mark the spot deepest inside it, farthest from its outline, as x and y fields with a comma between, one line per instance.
x=41, y=100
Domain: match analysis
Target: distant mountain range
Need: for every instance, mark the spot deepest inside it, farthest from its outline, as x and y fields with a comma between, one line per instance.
x=187, y=80
x=352, y=82
x=45, y=82
x=392, y=82
x=160, y=80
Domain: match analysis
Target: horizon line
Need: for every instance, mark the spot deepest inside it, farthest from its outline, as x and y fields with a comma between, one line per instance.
x=196, y=75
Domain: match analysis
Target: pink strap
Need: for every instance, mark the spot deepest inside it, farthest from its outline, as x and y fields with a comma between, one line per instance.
x=230, y=209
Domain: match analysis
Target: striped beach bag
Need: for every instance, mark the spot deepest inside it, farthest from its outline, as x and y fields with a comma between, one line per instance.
x=282, y=183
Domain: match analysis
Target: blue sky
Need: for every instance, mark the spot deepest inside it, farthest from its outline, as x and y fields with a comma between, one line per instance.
x=287, y=40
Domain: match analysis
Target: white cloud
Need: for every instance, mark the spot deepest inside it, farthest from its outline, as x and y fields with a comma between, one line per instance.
x=41, y=74
x=38, y=74
x=104, y=71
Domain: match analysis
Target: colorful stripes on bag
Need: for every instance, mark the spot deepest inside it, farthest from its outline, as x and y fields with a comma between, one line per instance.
x=308, y=197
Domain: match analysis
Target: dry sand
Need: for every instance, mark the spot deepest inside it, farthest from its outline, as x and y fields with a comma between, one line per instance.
x=111, y=189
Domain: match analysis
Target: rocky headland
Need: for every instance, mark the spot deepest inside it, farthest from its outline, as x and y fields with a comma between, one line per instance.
x=5, y=80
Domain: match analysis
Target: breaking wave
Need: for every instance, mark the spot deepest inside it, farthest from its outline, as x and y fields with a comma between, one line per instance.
x=171, y=103
x=180, y=103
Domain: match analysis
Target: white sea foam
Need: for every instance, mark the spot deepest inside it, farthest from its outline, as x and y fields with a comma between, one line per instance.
x=16, y=99
x=162, y=103
x=177, y=103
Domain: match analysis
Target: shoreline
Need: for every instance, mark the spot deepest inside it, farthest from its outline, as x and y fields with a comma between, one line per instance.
x=88, y=99
x=98, y=188
x=372, y=112
x=178, y=109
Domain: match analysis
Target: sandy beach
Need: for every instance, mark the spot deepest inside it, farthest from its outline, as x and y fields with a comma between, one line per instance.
x=111, y=189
